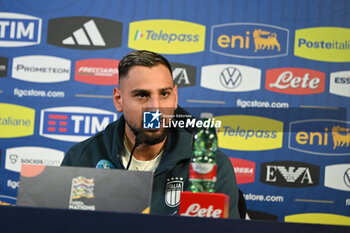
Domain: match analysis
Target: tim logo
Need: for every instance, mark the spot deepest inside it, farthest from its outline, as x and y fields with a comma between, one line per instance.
x=151, y=120
x=84, y=33
x=295, y=81
x=248, y=40
x=73, y=123
x=19, y=30
x=322, y=137
x=289, y=174
x=97, y=71
x=184, y=75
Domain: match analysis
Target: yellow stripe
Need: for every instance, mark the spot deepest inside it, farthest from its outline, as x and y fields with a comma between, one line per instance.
x=146, y=211
x=319, y=218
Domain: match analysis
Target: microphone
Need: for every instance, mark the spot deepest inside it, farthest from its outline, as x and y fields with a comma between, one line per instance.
x=140, y=138
x=105, y=164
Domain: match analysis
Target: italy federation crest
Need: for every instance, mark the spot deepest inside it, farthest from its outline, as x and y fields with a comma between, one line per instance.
x=174, y=187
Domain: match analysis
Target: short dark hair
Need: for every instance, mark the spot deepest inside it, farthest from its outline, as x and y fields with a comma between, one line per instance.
x=141, y=58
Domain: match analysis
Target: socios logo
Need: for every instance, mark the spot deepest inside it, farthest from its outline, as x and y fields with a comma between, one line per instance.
x=337, y=176
x=84, y=33
x=19, y=30
x=330, y=44
x=167, y=36
x=183, y=75
x=231, y=78
x=17, y=156
x=41, y=69
x=295, y=81
x=320, y=136
x=73, y=123
x=16, y=121
x=289, y=174
x=3, y=66
x=249, y=133
x=244, y=170
x=318, y=218
x=339, y=83
x=97, y=71
x=249, y=40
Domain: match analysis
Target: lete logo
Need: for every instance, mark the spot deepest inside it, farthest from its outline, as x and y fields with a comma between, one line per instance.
x=295, y=81
x=97, y=71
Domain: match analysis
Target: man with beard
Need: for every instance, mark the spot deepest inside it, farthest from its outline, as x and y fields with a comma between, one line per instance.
x=146, y=83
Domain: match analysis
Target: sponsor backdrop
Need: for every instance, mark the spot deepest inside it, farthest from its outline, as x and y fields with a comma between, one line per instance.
x=271, y=59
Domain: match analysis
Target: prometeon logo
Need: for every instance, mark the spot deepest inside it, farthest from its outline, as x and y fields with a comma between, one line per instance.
x=339, y=83
x=3, y=66
x=295, y=81
x=320, y=136
x=329, y=44
x=244, y=170
x=337, y=176
x=249, y=40
x=231, y=78
x=17, y=156
x=167, y=36
x=289, y=174
x=249, y=133
x=16, y=121
x=73, y=123
x=18, y=30
x=183, y=75
x=84, y=33
x=41, y=69
x=97, y=71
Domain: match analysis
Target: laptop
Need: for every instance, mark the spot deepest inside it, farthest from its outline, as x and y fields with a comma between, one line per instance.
x=85, y=189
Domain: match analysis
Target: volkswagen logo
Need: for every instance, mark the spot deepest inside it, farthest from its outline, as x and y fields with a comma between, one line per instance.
x=230, y=77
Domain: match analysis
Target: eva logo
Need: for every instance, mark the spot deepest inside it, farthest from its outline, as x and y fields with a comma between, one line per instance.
x=249, y=133
x=73, y=123
x=16, y=121
x=328, y=44
x=321, y=137
x=17, y=156
x=339, y=83
x=84, y=33
x=167, y=36
x=97, y=71
x=183, y=75
x=41, y=69
x=295, y=81
x=249, y=40
x=19, y=30
x=289, y=174
x=337, y=176
x=231, y=78
x=244, y=170
x=151, y=120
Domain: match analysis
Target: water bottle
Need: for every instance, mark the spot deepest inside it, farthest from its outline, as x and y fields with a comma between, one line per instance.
x=203, y=163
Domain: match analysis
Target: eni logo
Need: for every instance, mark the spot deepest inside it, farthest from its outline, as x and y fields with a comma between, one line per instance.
x=249, y=40
x=16, y=121
x=322, y=137
x=328, y=44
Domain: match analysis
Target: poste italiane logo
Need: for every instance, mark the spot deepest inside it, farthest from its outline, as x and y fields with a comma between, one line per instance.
x=249, y=40
x=167, y=36
x=16, y=121
x=330, y=44
x=249, y=133
x=321, y=137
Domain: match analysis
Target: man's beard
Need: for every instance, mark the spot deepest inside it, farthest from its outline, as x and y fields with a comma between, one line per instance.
x=148, y=139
